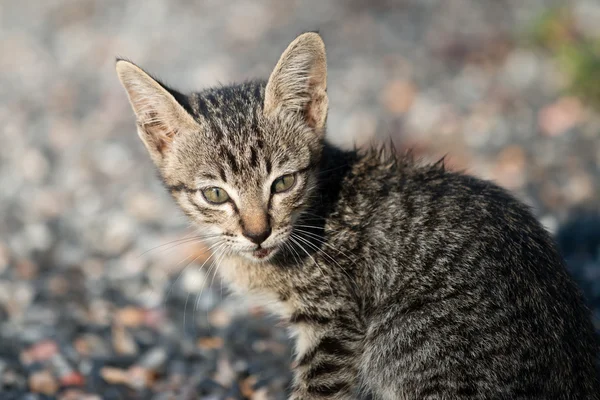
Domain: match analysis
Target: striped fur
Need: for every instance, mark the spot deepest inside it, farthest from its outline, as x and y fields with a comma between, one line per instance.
x=398, y=281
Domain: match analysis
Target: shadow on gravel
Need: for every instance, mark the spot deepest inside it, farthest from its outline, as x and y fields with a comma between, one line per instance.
x=579, y=241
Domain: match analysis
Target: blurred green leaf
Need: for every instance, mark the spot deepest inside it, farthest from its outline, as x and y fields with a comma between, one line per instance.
x=577, y=56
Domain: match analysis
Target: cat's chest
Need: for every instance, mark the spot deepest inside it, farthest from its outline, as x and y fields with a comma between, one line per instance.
x=259, y=285
x=304, y=336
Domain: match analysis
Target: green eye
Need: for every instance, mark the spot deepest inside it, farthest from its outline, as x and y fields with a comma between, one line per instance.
x=215, y=195
x=283, y=183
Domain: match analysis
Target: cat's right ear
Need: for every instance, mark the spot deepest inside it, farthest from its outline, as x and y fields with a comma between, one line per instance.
x=298, y=84
x=160, y=117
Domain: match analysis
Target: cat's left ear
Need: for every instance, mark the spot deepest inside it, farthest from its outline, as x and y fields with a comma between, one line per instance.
x=298, y=84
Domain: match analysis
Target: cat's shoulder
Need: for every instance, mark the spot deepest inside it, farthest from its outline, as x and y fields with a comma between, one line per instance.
x=391, y=173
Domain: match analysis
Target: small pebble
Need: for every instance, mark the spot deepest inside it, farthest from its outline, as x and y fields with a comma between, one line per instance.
x=58, y=286
x=123, y=342
x=561, y=116
x=219, y=318
x=155, y=318
x=154, y=358
x=260, y=394
x=99, y=312
x=26, y=269
x=114, y=376
x=247, y=386
x=60, y=366
x=76, y=394
x=130, y=317
x=225, y=373
x=139, y=377
x=210, y=343
x=41, y=351
x=43, y=382
x=72, y=379
x=91, y=345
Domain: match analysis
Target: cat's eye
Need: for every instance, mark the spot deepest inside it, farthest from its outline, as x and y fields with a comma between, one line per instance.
x=283, y=183
x=215, y=195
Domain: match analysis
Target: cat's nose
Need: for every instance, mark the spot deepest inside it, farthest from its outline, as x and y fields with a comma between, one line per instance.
x=257, y=236
x=254, y=222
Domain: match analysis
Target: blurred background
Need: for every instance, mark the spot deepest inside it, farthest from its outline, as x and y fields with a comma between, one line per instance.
x=96, y=301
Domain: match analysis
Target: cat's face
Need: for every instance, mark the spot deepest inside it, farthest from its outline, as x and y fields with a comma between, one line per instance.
x=244, y=183
x=239, y=160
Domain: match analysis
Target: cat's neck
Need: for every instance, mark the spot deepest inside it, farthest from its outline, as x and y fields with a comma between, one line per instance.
x=335, y=165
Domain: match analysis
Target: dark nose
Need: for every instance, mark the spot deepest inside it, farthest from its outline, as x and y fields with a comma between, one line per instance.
x=258, y=237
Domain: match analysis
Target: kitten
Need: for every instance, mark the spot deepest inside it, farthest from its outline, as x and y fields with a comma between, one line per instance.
x=399, y=281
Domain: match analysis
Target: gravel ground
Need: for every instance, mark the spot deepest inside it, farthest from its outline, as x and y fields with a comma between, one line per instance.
x=97, y=301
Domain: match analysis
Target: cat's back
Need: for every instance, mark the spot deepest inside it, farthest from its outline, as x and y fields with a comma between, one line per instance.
x=470, y=272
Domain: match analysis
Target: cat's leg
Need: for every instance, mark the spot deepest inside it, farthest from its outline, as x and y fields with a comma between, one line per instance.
x=381, y=368
x=389, y=362
x=327, y=361
x=426, y=355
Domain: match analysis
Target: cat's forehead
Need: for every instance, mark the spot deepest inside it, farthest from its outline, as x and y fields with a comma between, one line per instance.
x=235, y=105
x=231, y=115
x=237, y=143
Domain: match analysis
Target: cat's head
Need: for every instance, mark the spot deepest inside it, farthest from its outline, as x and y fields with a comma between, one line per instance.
x=240, y=160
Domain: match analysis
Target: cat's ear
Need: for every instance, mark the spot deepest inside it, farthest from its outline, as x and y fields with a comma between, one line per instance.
x=160, y=117
x=298, y=83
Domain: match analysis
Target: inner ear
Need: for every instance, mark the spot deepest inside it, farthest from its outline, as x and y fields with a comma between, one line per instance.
x=157, y=131
x=315, y=111
x=298, y=83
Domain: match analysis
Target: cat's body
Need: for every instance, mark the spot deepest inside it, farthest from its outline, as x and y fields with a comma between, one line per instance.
x=399, y=281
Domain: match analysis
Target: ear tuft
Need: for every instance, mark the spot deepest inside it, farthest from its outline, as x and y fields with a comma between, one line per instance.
x=159, y=116
x=298, y=83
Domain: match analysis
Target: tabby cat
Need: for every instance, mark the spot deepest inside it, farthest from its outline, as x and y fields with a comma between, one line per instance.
x=398, y=280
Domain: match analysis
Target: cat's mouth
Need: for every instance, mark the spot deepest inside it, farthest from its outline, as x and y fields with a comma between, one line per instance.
x=263, y=253
x=260, y=254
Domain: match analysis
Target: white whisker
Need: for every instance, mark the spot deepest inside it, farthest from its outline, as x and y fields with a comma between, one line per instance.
x=323, y=241
x=315, y=261
x=188, y=296
x=181, y=241
x=183, y=270
x=216, y=262
x=316, y=248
